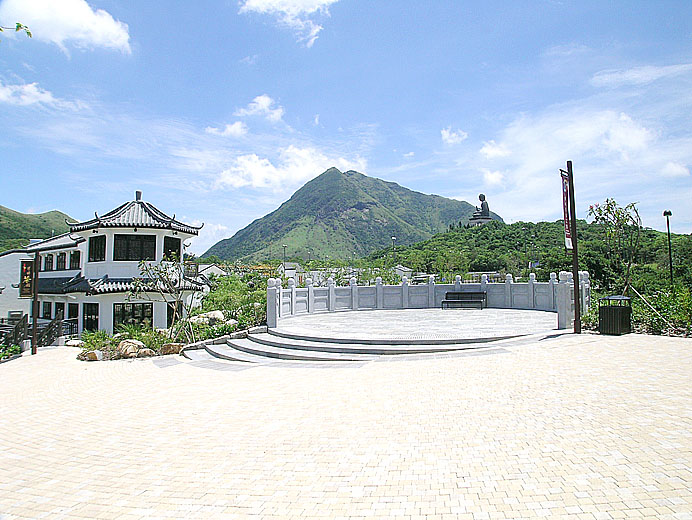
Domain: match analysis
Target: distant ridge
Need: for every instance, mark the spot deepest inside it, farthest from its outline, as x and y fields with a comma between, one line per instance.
x=17, y=228
x=341, y=215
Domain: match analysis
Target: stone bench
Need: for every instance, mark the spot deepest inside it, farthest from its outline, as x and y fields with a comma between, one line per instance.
x=466, y=299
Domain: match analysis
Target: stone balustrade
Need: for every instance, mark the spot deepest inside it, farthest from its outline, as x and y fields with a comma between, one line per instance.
x=556, y=295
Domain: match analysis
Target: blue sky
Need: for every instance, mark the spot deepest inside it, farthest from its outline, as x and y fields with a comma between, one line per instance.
x=219, y=111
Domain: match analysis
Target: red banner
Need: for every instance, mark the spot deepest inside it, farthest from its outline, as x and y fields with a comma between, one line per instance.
x=565, y=209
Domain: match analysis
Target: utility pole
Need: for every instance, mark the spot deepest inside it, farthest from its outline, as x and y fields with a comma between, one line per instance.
x=667, y=213
x=575, y=257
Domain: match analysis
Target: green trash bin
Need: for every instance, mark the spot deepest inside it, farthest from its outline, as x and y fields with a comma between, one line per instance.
x=615, y=315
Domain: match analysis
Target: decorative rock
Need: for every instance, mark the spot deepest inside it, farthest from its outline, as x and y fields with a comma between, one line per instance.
x=146, y=352
x=94, y=355
x=130, y=346
x=120, y=335
x=232, y=322
x=238, y=335
x=74, y=343
x=200, y=319
x=171, y=348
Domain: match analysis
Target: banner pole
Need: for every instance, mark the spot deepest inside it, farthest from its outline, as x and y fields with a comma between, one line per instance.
x=575, y=257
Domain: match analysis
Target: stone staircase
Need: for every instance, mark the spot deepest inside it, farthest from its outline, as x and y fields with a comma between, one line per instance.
x=274, y=345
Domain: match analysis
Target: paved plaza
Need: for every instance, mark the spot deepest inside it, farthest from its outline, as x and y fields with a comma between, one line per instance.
x=422, y=323
x=564, y=427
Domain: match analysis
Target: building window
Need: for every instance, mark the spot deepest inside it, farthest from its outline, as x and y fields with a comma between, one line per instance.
x=61, y=264
x=46, y=310
x=133, y=314
x=75, y=260
x=134, y=247
x=72, y=310
x=60, y=309
x=48, y=263
x=171, y=248
x=97, y=248
x=90, y=316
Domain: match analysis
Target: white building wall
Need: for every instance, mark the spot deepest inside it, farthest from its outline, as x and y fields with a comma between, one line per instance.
x=9, y=274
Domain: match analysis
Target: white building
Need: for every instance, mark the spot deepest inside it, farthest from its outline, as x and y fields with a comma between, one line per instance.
x=10, y=301
x=87, y=274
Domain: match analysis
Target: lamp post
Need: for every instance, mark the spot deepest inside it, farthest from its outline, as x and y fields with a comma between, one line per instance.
x=667, y=213
x=394, y=250
x=284, y=246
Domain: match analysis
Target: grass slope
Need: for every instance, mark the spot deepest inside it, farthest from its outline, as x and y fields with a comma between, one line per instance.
x=17, y=228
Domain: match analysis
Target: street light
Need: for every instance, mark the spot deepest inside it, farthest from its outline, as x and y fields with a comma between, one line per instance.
x=667, y=213
x=394, y=250
x=284, y=246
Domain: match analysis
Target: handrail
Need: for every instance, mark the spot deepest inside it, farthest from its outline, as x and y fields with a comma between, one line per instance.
x=18, y=333
x=52, y=332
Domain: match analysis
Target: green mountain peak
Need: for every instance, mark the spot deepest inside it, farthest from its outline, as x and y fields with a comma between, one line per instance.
x=341, y=214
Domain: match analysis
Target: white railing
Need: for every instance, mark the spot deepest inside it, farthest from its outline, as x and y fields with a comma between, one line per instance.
x=556, y=295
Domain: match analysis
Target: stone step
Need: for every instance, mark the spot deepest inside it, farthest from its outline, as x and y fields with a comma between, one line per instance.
x=352, y=348
x=229, y=353
x=278, y=332
x=251, y=347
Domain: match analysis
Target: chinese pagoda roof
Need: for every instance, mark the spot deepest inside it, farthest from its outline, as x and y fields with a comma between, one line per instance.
x=135, y=214
x=104, y=285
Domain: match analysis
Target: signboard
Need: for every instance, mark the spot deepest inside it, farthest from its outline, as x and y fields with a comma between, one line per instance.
x=565, y=209
x=26, y=279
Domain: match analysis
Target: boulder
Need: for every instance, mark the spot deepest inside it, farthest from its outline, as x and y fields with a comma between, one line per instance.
x=215, y=317
x=146, y=352
x=238, y=335
x=200, y=319
x=74, y=343
x=130, y=347
x=120, y=336
x=94, y=355
x=231, y=322
x=171, y=348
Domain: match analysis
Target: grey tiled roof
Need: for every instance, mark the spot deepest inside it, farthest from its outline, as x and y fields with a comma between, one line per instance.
x=103, y=285
x=135, y=213
x=63, y=241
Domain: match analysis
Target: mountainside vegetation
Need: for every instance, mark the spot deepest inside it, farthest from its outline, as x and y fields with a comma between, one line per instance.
x=342, y=216
x=17, y=228
x=511, y=248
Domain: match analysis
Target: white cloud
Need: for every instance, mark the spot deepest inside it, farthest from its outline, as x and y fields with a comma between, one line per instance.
x=492, y=178
x=674, y=169
x=316, y=120
x=209, y=235
x=450, y=136
x=637, y=75
x=68, y=21
x=409, y=155
x=262, y=106
x=31, y=94
x=237, y=129
x=492, y=150
x=294, y=14
x=249, y=60
x=294, y=166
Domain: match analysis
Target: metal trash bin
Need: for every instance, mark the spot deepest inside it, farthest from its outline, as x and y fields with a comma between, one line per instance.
x=615, y=315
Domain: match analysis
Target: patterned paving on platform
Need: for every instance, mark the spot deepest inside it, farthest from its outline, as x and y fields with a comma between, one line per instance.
x=583, y=427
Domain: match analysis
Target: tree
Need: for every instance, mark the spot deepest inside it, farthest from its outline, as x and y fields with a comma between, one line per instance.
x=17, y=28
x=622, y=232
x=166, y=282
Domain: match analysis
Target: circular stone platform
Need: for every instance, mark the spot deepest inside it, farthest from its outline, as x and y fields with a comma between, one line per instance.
x=435, y=324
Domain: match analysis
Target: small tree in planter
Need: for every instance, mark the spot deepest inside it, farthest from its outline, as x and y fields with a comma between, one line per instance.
x=165, y=282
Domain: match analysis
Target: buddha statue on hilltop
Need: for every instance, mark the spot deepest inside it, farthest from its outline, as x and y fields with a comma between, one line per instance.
x=482, y=214
x=484, y=210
